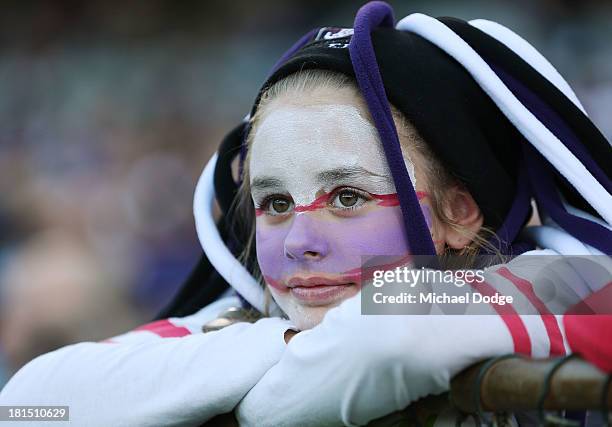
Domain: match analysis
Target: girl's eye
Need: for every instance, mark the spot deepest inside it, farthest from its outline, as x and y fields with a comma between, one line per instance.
x=277, y=205
x=280, y=205
x=348, y=199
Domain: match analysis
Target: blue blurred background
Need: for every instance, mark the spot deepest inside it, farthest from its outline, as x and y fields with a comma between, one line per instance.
x=109, y=110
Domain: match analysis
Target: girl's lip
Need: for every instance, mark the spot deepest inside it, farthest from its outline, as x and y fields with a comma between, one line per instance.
x=321, y=290
x=321, y=294
x=315, y=281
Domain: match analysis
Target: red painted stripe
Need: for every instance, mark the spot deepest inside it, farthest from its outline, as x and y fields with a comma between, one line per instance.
x=385, y=200
x=550, y=322
x=164, y=329
x=318, y=203
x=514, y=323
x=353, y=275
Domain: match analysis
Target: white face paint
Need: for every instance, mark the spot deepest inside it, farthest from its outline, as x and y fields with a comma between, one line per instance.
x=293, y=144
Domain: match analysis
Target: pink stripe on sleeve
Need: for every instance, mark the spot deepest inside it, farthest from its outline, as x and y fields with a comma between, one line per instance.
x=514, y=323
x=164, y=329
x=550, y=322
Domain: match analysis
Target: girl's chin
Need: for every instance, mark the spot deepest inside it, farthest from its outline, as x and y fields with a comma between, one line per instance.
x=308, y=317
x=304, y=314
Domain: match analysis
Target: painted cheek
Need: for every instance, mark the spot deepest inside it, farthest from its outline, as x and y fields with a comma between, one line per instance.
x=427, y=214
x=269, y=242
x=378, y=232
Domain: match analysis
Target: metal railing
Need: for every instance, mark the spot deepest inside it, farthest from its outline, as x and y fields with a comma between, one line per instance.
x=491, y=392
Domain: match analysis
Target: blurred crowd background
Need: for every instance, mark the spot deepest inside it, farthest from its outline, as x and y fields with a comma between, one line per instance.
x=110, y=109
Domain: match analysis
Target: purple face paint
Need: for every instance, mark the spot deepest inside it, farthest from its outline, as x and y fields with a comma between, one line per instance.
x=339, y=242
x=427, y=215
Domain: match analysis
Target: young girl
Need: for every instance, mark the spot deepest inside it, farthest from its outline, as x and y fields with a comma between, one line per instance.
x=428, y=138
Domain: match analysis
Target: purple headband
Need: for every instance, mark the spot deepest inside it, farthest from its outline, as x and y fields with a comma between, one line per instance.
x=369, y=17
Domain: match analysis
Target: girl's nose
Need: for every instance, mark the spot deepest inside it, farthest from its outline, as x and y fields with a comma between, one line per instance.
x=305, y=240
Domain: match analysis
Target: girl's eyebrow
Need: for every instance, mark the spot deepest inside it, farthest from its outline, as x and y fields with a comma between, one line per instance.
x=266, y=183
x=352, y=172
x=326, y=177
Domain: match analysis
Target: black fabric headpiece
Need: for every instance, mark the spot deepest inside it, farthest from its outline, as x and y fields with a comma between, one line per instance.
x=449, y=110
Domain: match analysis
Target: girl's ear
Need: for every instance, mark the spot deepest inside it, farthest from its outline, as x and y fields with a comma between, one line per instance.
x=466, y=218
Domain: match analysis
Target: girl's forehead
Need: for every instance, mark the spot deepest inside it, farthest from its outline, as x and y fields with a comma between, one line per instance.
x=310, y=138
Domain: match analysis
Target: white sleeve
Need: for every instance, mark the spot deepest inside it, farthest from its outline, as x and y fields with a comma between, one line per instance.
x=351, y=368
x=354, y=368
x=150, y=382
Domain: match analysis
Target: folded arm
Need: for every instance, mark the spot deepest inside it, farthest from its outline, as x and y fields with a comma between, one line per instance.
x=160, y=374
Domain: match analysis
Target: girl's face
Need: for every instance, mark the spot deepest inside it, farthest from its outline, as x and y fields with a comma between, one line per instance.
x=324, y=197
